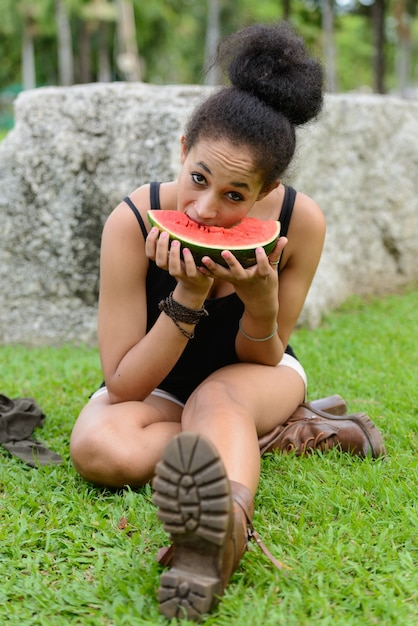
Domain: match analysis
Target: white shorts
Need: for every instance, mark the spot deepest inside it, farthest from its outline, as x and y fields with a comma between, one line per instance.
x=287, y=361
x=290, y=361
x=157, y=392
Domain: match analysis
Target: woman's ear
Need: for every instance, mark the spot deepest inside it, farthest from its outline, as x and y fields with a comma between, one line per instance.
x=183, y=149
x=265, y=192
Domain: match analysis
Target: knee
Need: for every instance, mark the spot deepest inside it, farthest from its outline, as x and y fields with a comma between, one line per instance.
x=214, y=393
x=213, y=399
x=86, y=451
x=98, y=460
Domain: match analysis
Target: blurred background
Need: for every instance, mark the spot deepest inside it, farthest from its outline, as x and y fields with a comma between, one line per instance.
x=367, y=46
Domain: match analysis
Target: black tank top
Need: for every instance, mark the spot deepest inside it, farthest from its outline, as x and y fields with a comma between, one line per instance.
x=214, y=344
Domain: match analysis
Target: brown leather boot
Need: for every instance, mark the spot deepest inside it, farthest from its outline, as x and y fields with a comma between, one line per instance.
x=310, y=428
x=193, y=495
x=209, y=520
x=237, y=543
x=336, y=405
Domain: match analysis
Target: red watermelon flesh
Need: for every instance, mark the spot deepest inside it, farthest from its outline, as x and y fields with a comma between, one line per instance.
x=202, y=240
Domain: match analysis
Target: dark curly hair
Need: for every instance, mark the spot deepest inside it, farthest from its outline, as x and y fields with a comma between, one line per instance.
x=275, y=86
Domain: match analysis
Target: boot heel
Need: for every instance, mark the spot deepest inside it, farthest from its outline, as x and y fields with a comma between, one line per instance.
x=192, y=493
x=186, y=595
x=335, y=405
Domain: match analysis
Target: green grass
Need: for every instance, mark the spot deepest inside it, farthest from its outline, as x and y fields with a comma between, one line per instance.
x=72, y=554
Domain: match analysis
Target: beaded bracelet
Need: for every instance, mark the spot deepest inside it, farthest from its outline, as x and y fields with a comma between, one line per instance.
x=179, y=313
x=276, y=328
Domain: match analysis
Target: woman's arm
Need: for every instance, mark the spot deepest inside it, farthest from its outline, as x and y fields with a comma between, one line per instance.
x=133, y=362
x=299, y=262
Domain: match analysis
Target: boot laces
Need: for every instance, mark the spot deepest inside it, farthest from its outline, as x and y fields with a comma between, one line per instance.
x=317, y=441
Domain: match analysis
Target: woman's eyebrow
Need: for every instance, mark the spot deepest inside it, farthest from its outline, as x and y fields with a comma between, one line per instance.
x=239, y=185
x=204, y=167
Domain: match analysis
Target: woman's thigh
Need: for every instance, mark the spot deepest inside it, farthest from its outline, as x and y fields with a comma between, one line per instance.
x=116, y=444
x=269, y=394
x=127, y=415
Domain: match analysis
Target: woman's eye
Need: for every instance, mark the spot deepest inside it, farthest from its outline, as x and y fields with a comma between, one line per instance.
x=199, y=179
x=236, y=197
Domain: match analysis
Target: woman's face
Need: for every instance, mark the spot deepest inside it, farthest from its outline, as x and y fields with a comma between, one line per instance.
x=218, y=183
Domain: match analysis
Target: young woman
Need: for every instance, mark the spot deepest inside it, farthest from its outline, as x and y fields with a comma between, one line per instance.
x=196, y=359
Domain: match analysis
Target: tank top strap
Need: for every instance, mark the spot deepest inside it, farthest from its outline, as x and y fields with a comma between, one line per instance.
x=287, y=209
x=284, y=217
x=154, y=193
x=154, y=203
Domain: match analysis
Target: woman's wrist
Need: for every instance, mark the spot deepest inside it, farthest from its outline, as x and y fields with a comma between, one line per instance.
x=258, y=328
x=258, y=339
x=181, y=314
x=187, y=298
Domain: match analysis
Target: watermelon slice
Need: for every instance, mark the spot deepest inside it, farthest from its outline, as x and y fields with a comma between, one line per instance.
x=241, y=240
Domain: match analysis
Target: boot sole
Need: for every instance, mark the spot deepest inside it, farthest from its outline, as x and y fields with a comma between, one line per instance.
x=192, y=493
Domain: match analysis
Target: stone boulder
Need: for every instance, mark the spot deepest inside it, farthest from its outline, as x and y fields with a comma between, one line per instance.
x=359, y=162
x=75, y=152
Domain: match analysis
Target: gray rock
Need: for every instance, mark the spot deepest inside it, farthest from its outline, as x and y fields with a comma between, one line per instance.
x=75, y=152
x=359, y=162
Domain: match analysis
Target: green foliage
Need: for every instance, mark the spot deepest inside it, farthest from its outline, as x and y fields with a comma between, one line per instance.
x=171, y=39
x=10, y=60
x=354, y=67
x=77, y=555
x=171, y=36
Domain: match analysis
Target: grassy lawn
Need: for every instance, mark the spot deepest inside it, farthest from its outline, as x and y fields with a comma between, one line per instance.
x=73, y=554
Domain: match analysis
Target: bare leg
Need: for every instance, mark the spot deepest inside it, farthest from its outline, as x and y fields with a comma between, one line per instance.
x=205, y=513
x=119, y=444
x=236, y=405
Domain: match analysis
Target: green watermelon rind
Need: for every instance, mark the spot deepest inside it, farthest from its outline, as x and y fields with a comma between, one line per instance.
x=245, y=255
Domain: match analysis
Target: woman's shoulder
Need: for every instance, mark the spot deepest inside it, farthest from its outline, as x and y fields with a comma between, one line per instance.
x=138, y=201
x=141, y=197
x=307, y=216
x=305, y=211
x=306, y=234
x=306, y=230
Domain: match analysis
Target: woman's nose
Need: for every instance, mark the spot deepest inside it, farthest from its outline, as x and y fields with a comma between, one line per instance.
x=206, y=208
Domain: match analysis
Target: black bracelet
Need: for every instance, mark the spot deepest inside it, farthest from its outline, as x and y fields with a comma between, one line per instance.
x=179, y=313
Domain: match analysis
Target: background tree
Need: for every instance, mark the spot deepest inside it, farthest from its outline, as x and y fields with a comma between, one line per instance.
x=64, y=42
x=213, y=35
x=378, y=17
x=166, y=41
x=128, y=59
x=32, y=17
x=286, y=9
x=95, y=51
x=327, y=7
x=404, y=12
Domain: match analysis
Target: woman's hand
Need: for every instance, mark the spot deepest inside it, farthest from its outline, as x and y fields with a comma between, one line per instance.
x=179, y=263
x=257, y=286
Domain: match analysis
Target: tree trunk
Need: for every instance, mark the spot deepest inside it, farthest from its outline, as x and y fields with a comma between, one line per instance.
x=28, y=56
x=65, y=49
x=404, y=50
x=212, y=40
x=128, y=59
x=84, y=54
x=286, y=9
x=378, y=16
x=104, y=65
x=328, y=42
